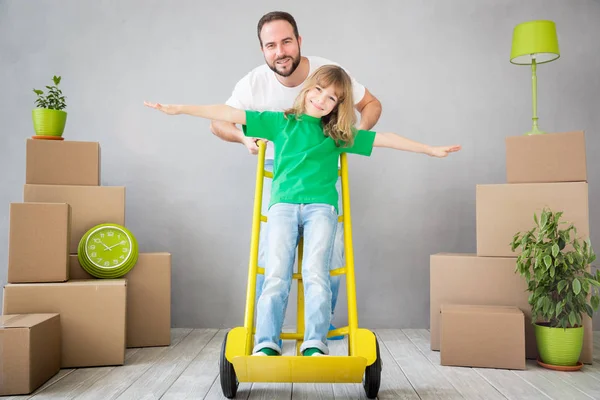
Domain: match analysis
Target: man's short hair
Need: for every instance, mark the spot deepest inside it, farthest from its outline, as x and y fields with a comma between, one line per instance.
x=276, y=16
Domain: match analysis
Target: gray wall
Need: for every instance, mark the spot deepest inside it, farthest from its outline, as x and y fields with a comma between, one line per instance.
x=441, y=70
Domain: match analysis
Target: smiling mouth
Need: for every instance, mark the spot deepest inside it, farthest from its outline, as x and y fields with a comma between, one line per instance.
x=316, y=106
x=284, y=61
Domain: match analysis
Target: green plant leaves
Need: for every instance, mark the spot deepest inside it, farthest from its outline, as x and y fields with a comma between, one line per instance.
x=54, y=100
x=561, y=289
x=561, y=285
x=572, y=319
x=576, y=286
x=559, y=308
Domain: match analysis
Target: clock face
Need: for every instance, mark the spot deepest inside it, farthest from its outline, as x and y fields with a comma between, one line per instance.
x=108, y=247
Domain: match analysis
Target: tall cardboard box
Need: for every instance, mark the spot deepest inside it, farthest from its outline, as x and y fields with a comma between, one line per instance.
x=90, y=205
x=29, y=351
x=505, y=209
x=468, y=279
x=92, y=315
x=552, y=157
x=148, y=299
x=52, y=162
x=38, y=243
x=482, y=336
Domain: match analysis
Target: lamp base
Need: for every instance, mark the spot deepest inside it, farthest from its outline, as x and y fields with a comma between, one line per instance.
x=534, y=131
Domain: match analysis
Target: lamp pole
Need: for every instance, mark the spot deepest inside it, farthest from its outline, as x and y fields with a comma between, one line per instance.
x=535, y=130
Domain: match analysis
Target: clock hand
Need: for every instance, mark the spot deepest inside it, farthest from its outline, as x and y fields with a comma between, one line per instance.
x=115, y=245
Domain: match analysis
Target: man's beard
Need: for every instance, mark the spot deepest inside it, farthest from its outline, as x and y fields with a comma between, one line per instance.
x=285, y=74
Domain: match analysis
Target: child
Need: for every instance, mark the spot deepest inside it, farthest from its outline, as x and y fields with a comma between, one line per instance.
x=308, y=140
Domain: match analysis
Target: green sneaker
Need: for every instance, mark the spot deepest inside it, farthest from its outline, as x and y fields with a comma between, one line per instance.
x=312, y=351
x=266, y=351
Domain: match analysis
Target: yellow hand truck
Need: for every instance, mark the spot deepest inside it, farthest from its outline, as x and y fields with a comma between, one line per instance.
x=363, y=362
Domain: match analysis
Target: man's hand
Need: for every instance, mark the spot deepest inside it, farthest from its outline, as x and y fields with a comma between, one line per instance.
x=252, y=144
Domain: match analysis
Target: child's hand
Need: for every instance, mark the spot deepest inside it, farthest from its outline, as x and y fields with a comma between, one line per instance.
x=166, y=108
x=442, y=151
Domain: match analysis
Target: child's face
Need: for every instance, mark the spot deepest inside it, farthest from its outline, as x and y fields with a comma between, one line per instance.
x=320, y=101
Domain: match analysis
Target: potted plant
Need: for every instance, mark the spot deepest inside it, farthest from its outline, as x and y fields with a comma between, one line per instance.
x=49, y=118
x=554, y=262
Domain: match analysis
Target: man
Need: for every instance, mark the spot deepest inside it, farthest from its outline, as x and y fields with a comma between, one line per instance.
x=273, y=87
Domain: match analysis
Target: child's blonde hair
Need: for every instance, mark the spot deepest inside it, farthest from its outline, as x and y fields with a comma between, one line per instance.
x=339, y=123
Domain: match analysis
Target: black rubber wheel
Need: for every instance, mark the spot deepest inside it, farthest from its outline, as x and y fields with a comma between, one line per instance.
x=229, y=382
x=372, y=378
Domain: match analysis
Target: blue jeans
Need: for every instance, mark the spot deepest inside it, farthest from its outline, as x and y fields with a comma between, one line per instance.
x=337, y=259
x=317, y=223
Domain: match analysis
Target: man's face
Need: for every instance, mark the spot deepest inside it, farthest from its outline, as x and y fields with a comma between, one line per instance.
x=280, y=47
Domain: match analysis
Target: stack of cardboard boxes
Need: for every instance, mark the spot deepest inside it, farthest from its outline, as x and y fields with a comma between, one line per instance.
x=98, y=318
x=480, y=314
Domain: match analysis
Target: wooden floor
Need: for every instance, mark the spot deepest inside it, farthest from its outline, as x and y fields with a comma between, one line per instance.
x=188, y=369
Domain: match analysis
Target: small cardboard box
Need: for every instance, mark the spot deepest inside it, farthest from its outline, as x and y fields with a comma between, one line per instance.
x=551, y=157
x=30, y=351
x=90, y=205
x=53, y=162
x=505, y=209
x=482, y=336
x=38, y=244
x=148, y=299
x=92, y=315
x=468, y=279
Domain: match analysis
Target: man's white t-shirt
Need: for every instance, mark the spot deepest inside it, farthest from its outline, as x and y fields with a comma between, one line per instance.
x=260, y=90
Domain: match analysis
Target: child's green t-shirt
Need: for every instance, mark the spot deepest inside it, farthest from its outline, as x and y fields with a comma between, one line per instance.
x=305, y=167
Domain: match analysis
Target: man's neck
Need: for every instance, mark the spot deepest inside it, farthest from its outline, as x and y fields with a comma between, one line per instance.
x=299, y=75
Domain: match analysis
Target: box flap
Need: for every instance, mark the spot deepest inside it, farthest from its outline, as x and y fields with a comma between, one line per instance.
x=474, y=308
x=83, y=282
x=23, y=320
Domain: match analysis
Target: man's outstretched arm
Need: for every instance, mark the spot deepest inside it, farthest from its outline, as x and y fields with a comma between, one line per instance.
x=370, y=111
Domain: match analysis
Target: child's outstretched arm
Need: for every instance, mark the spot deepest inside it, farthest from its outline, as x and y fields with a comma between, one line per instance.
x=218, y=112
x=394, y=141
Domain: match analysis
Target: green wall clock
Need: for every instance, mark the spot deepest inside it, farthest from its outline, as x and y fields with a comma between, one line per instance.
x=107, y=251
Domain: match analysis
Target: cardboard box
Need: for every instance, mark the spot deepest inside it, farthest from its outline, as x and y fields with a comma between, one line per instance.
x=30, y=351
x=505, y=209
x=552, y=157
x=38, y=244
x=148, y=299
x=92, y=315
x=53, y=162
x=482, y=336
x=468, y=279
x=90, y=205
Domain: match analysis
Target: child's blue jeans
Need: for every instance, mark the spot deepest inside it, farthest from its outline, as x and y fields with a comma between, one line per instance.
x=286, y=222
x=337, y=258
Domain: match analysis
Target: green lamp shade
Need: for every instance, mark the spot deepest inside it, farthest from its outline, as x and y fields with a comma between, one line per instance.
x=534, y=39
x=107, y=251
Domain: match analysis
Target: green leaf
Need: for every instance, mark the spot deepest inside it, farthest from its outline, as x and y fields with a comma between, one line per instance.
x=576, y=286
x=595, y=302
x=555, y=250
x=552, y=271
x=589, y=311
x=561, y=285
x=594, y=282
x=535, y=219
x=548, y=261
x=544, y=219
x=559, y=308
x=572, y=318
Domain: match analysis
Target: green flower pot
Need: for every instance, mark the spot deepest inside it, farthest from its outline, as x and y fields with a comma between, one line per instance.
x=559, y=346
x=47, y=122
